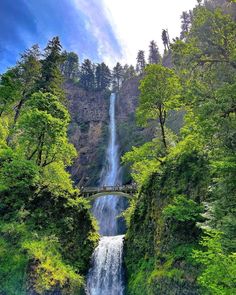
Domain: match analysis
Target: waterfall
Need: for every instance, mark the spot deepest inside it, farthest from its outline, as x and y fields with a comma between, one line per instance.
x=106, y=274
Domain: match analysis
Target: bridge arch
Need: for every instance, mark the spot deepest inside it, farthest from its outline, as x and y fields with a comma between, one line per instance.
x=93, y=193
x=94, y=196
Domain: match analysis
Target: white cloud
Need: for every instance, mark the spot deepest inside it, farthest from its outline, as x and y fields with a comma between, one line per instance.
x=137, y=22
x=100, y=27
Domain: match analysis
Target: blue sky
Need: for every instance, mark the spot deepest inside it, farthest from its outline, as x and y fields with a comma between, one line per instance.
x=26, y=22
x=109, y=30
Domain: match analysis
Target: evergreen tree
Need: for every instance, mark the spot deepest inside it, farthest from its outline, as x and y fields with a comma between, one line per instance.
x=117, y=76
x=166, y=39
x=18, y=83
x=87, y=76
x=10, y=90
x=141, y=62
x=70, y=66
x=154, y=55
x=102, y=76
x=128, y=72
x=51, y=74
x=186, y=19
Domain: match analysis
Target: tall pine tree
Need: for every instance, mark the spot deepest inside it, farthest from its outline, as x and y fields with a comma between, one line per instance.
x=154, y=55
x=87, y=76
x=102, y=76
x=166, y=39
x=70, y=66
x=141, y=62
x=51, y=74
x=117, y=76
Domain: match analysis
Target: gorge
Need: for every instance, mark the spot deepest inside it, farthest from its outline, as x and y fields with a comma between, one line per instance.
x=164, y=129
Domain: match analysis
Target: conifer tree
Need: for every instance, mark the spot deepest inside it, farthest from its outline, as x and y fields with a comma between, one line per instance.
x=51, y=74
x=128, y=72
x=25, y=75
x=141, y=62
x=185, y=23
x=166, y=39
x=117, y=75
x=102, y=76
x=87, y=76
x=154, y=55
x=70, y=66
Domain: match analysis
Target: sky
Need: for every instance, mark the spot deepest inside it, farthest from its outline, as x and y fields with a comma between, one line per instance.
x=102, y=30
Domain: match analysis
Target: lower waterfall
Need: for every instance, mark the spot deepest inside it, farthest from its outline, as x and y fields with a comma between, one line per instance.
x=106, y=274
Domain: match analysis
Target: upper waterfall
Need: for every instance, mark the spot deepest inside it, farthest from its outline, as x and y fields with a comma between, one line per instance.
x=112, y=169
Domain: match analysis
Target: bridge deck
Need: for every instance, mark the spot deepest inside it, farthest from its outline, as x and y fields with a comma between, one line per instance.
x=105, y=189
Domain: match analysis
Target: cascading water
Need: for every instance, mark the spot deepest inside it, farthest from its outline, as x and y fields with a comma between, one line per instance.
x=106, y=274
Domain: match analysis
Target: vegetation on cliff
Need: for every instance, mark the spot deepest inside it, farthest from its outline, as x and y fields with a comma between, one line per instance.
x=181, y=235
x=47, y=234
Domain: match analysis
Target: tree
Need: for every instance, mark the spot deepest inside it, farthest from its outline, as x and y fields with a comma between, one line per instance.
x=219, y=270
x=43, y=131
x=159, y=93
x=186, y=19
x=27, y=75
x=141, y=62
x=70, y=66
x=102, y=76
x=51, y=80
x=117, y=75
x=205, y=62
x=87, y=76
x=154, y=55
x=128, y=72
x=166, y=39
x=10, y=90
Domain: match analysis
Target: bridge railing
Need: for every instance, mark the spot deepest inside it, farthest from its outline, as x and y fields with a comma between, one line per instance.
x=121, y=188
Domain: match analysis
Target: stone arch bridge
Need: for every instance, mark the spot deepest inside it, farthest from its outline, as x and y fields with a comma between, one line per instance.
x=92, y=193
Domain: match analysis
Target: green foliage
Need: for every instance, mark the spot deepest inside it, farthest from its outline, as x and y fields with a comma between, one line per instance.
x=199, y=168
x=18, y=178
x=13, y=260
x=9, y=90
x=50, y=270
x=47, y=233
x=183, y=210
x=162, y=225
x=145, y=160
x=218, y=276
x=160, y=92
x=51, y=80
x=48, y=142
x=70, y=65
x=56, y=179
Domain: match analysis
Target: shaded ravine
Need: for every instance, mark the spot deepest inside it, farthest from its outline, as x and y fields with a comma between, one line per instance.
x=106, y=274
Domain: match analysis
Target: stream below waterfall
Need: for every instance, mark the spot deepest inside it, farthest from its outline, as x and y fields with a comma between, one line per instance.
x=106, y=274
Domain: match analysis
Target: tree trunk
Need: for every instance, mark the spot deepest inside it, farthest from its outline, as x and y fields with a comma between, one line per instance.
x=162, y=120
x=18, y=108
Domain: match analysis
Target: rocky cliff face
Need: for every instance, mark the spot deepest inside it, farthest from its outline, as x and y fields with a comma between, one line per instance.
x=158, y=248
x=89, y=128
x=129, y=133
x=88, y=132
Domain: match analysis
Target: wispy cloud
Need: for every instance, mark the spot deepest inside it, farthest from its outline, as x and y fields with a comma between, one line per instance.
x=109, y=47
x=136, y=23
x=82, y=28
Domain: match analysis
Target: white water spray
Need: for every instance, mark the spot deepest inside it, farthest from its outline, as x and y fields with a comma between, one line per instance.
x=106, y=274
